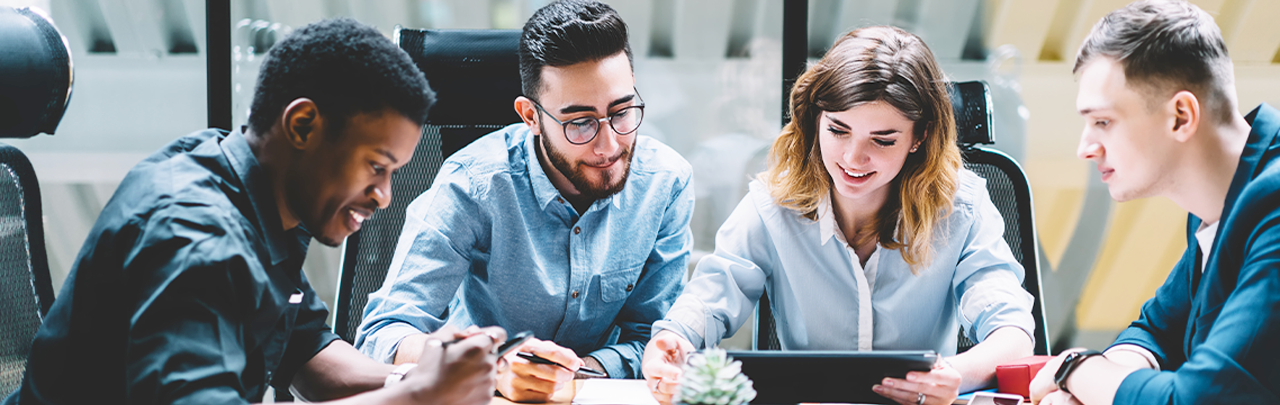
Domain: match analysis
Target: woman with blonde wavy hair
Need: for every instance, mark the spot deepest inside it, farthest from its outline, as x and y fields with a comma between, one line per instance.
x=865, y=231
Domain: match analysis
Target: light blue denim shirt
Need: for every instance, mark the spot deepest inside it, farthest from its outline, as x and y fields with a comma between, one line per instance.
x=493, y=242
x=824, y=299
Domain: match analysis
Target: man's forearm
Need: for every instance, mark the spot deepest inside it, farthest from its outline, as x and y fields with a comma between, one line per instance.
x=339, y=371
x=410, y=348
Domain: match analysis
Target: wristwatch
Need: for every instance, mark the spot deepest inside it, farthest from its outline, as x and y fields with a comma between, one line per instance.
x=1069, y=364
x=398, y=374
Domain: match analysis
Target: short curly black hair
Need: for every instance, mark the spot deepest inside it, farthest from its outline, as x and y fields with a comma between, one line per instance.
x=346, y=68
x=568, y=32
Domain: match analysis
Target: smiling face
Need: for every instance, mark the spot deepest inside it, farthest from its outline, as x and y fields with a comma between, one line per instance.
x=1130, y=141
x=863, y=149
x=340, y=179
x=593, y=89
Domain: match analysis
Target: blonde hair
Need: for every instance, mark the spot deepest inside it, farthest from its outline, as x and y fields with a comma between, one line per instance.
x=872, y=64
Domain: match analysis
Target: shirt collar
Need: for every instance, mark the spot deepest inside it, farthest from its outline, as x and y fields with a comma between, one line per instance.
x=827, y=228
x=543, y=189
x=258, y=190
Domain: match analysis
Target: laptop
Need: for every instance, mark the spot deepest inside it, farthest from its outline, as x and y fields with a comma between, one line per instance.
x=789, y=377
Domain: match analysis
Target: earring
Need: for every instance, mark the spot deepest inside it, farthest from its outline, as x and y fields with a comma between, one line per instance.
x=913, y=149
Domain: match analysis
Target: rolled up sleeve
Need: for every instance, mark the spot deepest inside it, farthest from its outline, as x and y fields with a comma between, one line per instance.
x=988, y=280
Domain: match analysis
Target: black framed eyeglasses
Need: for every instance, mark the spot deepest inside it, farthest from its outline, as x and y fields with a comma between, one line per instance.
x=583, y=130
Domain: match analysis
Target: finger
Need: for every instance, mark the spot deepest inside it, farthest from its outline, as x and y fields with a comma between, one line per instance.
x=536, y=386
x=897, y=395
x=1057, y=397
x=525, y=369
x=446, y=333
x=905, y=385
x=663, y=399
x=497, y=333
x=666, y=371
x=668, y=387
x=432, y=351
x=1039, y=389
x=476, y=348
x=555, y=353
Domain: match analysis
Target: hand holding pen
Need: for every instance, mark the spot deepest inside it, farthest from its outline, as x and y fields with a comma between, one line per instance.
x=524, y=380
x=584, y=370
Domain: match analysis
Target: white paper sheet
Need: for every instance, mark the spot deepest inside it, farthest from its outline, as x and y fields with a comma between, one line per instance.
x=602, y=391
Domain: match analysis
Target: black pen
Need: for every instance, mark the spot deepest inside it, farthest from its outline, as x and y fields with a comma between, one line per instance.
x=533, y=358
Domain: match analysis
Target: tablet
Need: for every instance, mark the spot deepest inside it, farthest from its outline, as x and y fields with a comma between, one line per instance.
x=789, y=377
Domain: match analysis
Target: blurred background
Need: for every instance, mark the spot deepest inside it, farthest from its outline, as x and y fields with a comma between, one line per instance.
x=710, y=72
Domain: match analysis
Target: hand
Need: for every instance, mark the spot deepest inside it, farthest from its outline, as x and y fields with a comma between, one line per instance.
x=1043, y=384
x=1059, y=398
x=938, y=386
x=460, y=373
x=522, y=381
x=410, y=347
x=662, y=364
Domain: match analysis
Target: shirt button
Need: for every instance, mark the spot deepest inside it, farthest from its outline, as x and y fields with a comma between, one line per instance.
x=630, y=286
x=577, y=230
x=560, y=200
x=575, y=294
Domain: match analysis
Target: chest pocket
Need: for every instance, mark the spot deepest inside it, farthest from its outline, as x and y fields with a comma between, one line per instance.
x=617, y=285
x=273, y=340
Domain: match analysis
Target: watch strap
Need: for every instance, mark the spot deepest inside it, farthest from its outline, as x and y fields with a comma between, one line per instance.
x=1069, y=365
x=398, y=374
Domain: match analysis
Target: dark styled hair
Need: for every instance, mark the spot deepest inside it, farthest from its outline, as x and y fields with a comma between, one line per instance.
x=346, y=68
x=871, y=64
x=1165, y=46
x=567, y=32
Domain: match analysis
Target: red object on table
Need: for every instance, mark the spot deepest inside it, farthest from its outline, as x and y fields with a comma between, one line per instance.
x=1015, y=377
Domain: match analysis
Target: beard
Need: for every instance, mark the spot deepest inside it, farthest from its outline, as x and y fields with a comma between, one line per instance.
x=577, y=174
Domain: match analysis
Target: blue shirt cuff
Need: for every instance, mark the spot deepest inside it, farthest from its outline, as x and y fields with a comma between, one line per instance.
x=612, y=362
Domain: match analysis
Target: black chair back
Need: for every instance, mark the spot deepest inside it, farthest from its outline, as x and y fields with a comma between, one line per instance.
x=1009, y=189
x=26, y=292
x=36, y=79
x=476, y=77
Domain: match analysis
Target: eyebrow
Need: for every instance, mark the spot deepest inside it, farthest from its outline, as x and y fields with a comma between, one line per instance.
x=579, y=108
x=388, y=154
x=846, y=126
x=1091, y=110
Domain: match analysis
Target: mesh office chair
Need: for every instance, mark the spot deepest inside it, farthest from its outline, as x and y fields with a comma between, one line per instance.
x=476, y=77
x=35, y=85
x=1009, y=190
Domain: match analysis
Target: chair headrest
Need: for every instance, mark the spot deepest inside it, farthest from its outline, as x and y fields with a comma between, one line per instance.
x=971, y=102
x=35, y=73
x=475, y=73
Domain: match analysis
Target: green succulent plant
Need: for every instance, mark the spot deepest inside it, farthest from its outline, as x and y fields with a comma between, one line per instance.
x=711, y=377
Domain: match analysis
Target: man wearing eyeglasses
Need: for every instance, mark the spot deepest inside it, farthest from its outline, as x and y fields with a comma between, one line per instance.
x=570, y=224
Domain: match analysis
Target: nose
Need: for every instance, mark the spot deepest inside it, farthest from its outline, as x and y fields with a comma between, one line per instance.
x=381, y=193
x=1089, y=148
x=856, y=153
x=606, y=142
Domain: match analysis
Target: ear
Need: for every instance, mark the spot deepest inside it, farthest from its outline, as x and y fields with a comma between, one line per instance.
x=528, y=112
x=302, y=122
x=1186, y=115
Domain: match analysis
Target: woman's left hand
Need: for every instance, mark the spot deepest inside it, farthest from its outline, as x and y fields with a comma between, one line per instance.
x=938, y=386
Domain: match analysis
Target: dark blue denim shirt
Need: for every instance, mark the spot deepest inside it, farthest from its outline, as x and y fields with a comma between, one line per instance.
x=187, y=289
